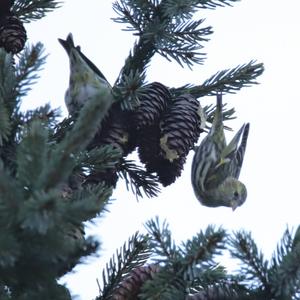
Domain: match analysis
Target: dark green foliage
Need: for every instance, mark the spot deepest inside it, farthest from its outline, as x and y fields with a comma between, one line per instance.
x=7, y=83
x=138, y=179
x=275, y=279
x=183, y=267
x=43, y=203
x=227, y=81
x=133, y=254
x=129, y=90
x=30, y=62
x=190, y=270
x=30, y=10
x=160, y=29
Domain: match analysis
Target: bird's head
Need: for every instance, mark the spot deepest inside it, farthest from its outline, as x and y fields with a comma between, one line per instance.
x=234, y=192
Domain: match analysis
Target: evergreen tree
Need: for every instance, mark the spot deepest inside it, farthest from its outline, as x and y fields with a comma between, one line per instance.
x=56, y=174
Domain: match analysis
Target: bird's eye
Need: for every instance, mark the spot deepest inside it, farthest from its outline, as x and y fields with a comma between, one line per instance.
x=236, y=194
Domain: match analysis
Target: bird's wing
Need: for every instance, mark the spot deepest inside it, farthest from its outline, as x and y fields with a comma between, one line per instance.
x=204, y=160
x=231, y=160
x=229, y=152
x=92, y=65
x=239, y=156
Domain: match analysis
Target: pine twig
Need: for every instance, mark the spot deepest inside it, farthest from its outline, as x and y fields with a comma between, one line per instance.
x=132, y=255
x=31, y=10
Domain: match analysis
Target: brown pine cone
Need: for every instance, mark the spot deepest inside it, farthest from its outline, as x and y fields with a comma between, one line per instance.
x=181, y=127
x=153, y=103
x=168, y=171
x=115, y=131
x=148, y=147
x=12, y=34
x=130, y=288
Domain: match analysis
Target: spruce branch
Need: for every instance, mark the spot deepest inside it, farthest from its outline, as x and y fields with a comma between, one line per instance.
x=88, y=202
x=183, y=268
x=284, y=247
x=41, y=211
x=64, y=155
x=285, y=268
x=160, y=30
x=203, y=247
x=255, y=267
x=100, y=158
x=32, y=155
x=199, y=268
x=5, y=124
x=11, y=194
x=185, y=7
x=31, y=10
x=9, y=248
x=139, y=180
x=61, y=128
x=182, y=41
x=219, y=291
x=227, y=113
x=166, y=284
x=139, y=14
x=45, y=114
x=132, y=255
x=226, y=81
x=130, y=88
x=7, y=94
x=30, y=62
x=161, y=240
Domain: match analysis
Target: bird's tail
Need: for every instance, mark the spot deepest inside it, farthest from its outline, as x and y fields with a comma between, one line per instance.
x=242, y=148
x=231, y=148
x=239, y=154
x=68, y=44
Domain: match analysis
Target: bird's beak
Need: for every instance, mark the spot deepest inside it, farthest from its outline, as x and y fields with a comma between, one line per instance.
x=234, y=205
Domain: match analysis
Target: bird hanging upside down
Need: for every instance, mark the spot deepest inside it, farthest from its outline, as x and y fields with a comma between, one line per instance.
x=216, y=166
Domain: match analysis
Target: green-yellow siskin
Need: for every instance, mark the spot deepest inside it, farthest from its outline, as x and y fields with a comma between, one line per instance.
x=216, y=166
x=86, y=80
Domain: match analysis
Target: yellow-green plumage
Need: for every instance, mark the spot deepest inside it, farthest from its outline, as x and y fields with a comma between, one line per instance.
x=86, y=80
x=216, y=166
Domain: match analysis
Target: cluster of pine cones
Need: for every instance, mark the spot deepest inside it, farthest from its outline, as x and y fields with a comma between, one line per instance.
x=12, y=31
x=162, y=128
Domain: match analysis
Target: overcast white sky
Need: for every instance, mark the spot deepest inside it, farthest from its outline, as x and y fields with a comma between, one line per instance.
x=267, y=31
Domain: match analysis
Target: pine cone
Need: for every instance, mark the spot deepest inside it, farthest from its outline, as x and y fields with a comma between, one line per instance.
x=115, y=131
x=130, y=288
x=150, y=154
x=149, y=150
x=12, y=34
x=168, y=171
x=181, y=127
x=153, y=103
x=5, y=7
